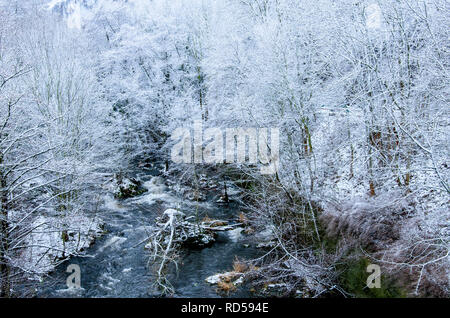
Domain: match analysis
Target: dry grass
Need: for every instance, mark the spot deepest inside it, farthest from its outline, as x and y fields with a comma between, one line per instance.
x=207, y=219
x=249, y=230
x=226, y=287
x=213, y=223
x=227, y=278
x=239, y=266
x=242, y=218
x=218, y=223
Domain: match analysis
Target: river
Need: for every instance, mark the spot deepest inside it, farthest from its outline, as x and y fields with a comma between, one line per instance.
x=116, y=264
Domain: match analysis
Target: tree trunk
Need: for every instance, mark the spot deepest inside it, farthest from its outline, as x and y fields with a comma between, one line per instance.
x=4, y=228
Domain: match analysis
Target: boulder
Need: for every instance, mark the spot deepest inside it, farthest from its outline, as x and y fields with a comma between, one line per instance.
x=198, y=238
x=233, y=277
x=128, y=188
x=195, y=196
x=187, y=234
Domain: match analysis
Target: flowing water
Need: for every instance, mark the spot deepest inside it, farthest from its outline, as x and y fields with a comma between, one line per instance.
x=116, y=265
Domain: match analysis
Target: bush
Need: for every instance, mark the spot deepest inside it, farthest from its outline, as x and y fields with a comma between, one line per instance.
x=353, y=280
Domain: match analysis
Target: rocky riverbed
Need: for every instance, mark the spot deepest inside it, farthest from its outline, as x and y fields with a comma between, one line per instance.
x=212, y=238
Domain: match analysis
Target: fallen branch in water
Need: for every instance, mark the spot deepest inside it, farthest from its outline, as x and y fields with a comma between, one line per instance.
x=164, y=251
x=173, y=231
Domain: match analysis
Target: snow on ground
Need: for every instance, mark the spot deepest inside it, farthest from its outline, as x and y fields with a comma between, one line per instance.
x=46, y=246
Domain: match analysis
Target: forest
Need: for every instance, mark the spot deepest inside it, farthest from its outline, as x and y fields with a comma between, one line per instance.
x=211, y=148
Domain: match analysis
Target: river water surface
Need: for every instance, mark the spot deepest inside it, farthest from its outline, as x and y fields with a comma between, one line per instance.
x=116, y=264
